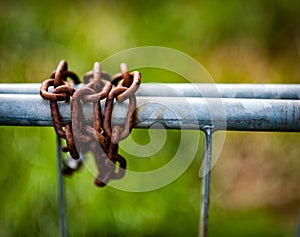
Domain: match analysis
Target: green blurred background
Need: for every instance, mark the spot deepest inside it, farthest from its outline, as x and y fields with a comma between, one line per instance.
x=255, y=184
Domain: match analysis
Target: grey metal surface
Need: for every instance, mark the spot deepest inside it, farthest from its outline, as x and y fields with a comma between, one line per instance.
x=298, y=227
x=60, y=190
x=20, y=88
x=259, y=91
x=206, y=183
x=172, y=112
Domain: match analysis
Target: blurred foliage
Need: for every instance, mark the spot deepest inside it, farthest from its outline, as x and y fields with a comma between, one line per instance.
x=255, y=183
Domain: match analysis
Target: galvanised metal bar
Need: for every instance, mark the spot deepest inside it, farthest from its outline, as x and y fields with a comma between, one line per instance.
x=259, y=91
x=60, y=190
x=203, y=227
x=172, y=112
x=298, y=227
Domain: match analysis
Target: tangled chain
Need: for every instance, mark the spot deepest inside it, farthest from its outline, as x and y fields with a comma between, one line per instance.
x=81, y=136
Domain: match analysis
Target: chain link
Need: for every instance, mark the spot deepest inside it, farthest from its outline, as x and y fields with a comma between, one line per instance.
x=98, y=137
x=62, y=92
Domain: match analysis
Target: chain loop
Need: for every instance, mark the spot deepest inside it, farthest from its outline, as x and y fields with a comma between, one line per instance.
x=62, y=92
x=121, y=93
x=128, y=80
x=52, y=96
x=109, y=108
x=97, y=137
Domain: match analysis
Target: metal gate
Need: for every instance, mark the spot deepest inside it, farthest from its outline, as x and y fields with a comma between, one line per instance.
x=239, y=107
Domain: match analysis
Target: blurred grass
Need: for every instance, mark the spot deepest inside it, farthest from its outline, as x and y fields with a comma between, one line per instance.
x=255, y=183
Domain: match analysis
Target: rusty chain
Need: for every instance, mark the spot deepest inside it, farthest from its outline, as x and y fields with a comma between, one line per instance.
x=98, y=137
x=62, y=92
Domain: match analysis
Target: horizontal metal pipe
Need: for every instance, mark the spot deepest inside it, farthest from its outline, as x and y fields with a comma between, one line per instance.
x=172, y=112
x=259, y=91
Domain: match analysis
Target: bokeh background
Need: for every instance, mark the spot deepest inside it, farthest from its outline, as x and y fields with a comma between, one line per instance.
x=255, y=183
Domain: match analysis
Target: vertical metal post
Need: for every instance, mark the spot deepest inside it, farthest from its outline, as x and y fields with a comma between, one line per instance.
x=60, y=190
x=298, y=228
x=206, y=182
